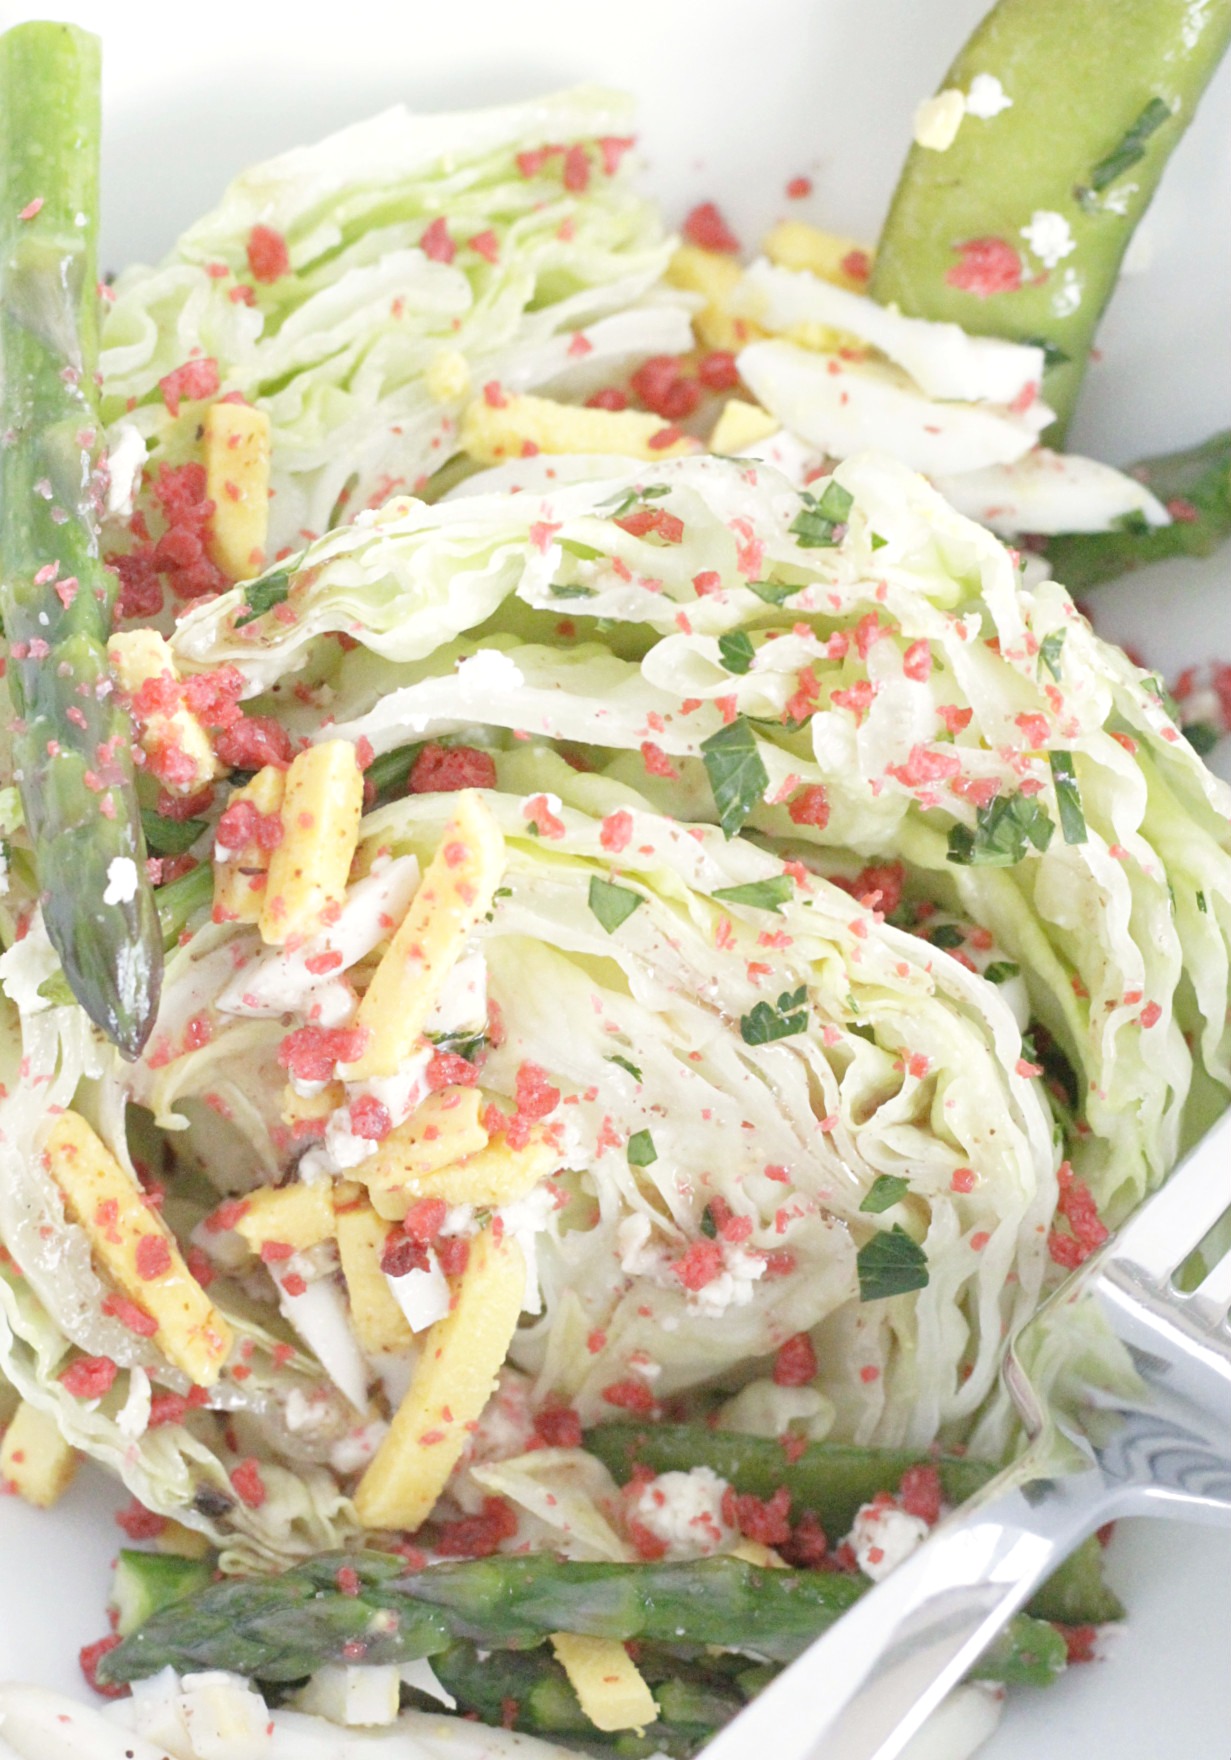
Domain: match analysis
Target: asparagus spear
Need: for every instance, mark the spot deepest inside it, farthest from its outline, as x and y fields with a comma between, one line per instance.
x=1195, y=485
x=283, y=1628
x=1101, y=92
x=71, y=740
x=830, y=1481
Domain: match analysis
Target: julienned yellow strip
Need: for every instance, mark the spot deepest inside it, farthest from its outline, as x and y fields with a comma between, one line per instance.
x=494, y=434
x=454, y=897
x=237, y=459
x=379, y=1323
x=610, y=1688
x=453, y=1381
x=35, y=1460
x=137, y=1249
x=444, y=1130
x=308, y=871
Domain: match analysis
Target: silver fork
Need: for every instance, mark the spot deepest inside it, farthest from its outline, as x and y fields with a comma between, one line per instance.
x=1158, y=1443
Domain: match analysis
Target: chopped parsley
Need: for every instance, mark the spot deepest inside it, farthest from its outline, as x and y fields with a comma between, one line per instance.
x=622, y=504
x=387, y=775
x=1049, y=652
x=878, y=543
x=612, y=904
x=623, y=1062
x=773, y=592
x=736, y=771
x=886, y=1190
x=1201, y=904
x=1003, y=830
x=262, y=595
x=763, y=1023
x=1068, y=798
x=1001, y=970
x=762, y=895
x=460, y=1044
x=1202, y=736
x=1053, y=354
x=169, y=837
x=948, y=936
x=890, y=1264
x=1132, y=146
x=574, y=592
x=816, y=526
x=641, y=1150
x=737, y=650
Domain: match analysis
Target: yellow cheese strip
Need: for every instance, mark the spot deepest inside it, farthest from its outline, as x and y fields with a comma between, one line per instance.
x=758, y=1553
x=379, y=1323
x=713, y=274
x=793, y=244
x=445, y=1129
x=453, y=898
x=239, y=884
x=610, y=1688
x=742, y=424
x=294, y=1216
x=453, y=1381
x=237, y=453
x=136, y=1248
x=495, y=1175
x=182, y=1542
x=35, y=1459
x=308, y=870
x=308, y=1109
x=136, y=656
x=493, y=434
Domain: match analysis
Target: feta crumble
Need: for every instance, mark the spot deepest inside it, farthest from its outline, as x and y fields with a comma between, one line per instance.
x=986, y=97
x=938, y=119
x=684, y=1511
x=121, y=881
x=125, y=462
x=883, y=1536
x=1049, y=237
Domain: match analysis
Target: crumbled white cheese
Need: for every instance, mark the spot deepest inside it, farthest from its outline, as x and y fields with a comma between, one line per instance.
x=732, y=1288
x=423, y=1296
x=121, y=885
x=223, y=1714
x=523, y=1222
x=938, y=119
x=489, y=670
x=462, y=1004
x=26, y=965
x=1049, y=236
x=363, y=1695
x=125, y=462
x=133, y=1417
x=320, y=1315
x=986, y=97
x=882, y=1536
x=684, y=1511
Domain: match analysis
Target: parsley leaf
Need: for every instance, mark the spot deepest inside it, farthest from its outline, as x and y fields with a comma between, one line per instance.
x=1202, y=906
x=612, y=905
x=1002, y=831
x=641, y=1150
x=948, y=936
x=736, y=771
x=622, y=504
x=576, y=592
x=1202, y=736
x=1001, y=970
x=763, y=1024
x=762, y=895
x=773, y=592
x=387, y=775
x=737, y=650
x=1133, y=145
x=815, y=527
x=262, y=595
x=878, y=543
x=890, y=1264
x=623, y=1062
x=169, y=837
x=460, y=1044
x=886, y=1190
x=1068, y=798
x=1049, y=652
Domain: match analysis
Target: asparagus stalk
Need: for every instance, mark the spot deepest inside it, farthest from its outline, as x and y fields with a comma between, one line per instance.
x=1194, y=484
x=1101, y=92
x=284, y=1628
x=830, y=1480
x=71, y=740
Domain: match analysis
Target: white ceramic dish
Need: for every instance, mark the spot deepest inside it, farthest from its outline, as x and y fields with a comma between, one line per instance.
x=736, y=101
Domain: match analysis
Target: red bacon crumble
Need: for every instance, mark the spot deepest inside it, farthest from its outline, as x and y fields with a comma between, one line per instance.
x=213, y=697
x=664, y=388
x=1088, y=1231
x=705, y=227
x=89, y=1656
x=401, y=1256
x=478, y=1536
x=89, y=1377
x=254, y=741
x=129, y=1315
x=268, y=257
x=799, y=187
x=425, y=1218
x=558, y=1427
x=248, y=1483
x=1079, y=1642
x=656, y=761
x=435, y=242
x=310, y=1053
x=448, y=1070
x=153, y=1257
x=441, y=769
x=347, y=1580
x=667, y=526
x=630, y=1396
x=920, y=1493
x=810, y=807
x=167, y=1408
x=615, y=831
x=808, y=1546
x=369, y=1118
x=699, y=1266
x=763, y=1519
x=718, y=371
x=192, y=382
x=608, y=398
x=453, y=1252
x=988, y=266
x=140, y=1523
x=795, y=1363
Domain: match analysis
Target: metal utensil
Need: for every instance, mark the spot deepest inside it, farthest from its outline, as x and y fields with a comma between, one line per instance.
x=1153, y=1437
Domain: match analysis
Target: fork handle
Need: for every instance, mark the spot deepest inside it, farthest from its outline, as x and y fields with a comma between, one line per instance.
x=861, y=1691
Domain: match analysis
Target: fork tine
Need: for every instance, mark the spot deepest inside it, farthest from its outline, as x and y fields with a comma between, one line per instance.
x=1178, y=1217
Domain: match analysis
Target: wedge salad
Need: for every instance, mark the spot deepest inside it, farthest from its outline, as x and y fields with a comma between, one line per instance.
x=588, y=927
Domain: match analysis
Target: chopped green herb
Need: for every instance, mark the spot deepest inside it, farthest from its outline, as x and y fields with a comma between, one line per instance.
x=576, y=592
x=1001, y=970
x=1002, y=831
x=387, y=775
x=1163, y=696
x=773, y=592
x=737, y=650
x=611, y=904
x=1132, y=147
x=890, y=1264
x=1202, y=736
x=1053, y=354
x=878, y=543
x=886, y=1190
x=736, y=771
x=1049, y=652
x=949, y=936
x=1201, y=904
x=709, y=1228
x=583, y=552
x=815, y=528
x=469, y=1045
x=622, y=504
x=262, y=595
x=641, y=1150
x=763, y=1024
x=623, y=1062
x=169, y=837
x=762, y=895
x=1068, y=798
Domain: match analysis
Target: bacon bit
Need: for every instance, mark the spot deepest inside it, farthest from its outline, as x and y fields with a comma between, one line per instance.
x=1034, y=729
x=401, y=1256
x=668, y=526
x=486, y=245
x=442, y=769
x=963, y=1179
x=717, y=370
x=869, y=1373
x=1028, y=1070
x=310, y=1053
x=448, y=1070
x=613, y=148
x=453, y=1252
x=129, y=1315
x=576, y=168
x=988, y=266
x=435, y=242
x=1185, y=513
x=923, y=766
x=917, y=663
x=153, y=1257
x=608, y=398
x=1079, y=1641
x=663, y=388
x=268, y=257
x=248, y=1483
x=798, y=188
x=89, y=1656
x=536, y=1097
x=294, y=1285
x=648, y=1544
x=705, y=227
x=795, y=1363
x=89, y=1377
x=763, y=1519
x=558, y=1427
x=192, y=382
x=615, y=831
x=857, y=264
x=656, y=761
x=1151, y=1014
x=920, y=1493
x=370, y=1119
x=140, y=1523
x=630, y=1396
x=699, y=1266
x=213, y=697
x=31, y=208
x=167, y=1408
x=275, y=1252
x=254, y=741
x=347, y=1580
x=540, y=815
x=478, y=1536
x=858, y=698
